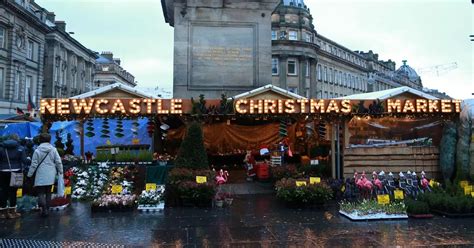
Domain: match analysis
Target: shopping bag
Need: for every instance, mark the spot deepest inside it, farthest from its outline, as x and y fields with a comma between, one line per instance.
x=60, y=192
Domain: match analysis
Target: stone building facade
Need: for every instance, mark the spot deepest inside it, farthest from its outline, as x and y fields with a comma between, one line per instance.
x=108, y=71
x=69, y=66
x=22, y=37
x=312, y=65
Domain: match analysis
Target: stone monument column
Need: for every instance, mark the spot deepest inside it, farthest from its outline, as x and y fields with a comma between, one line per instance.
x=220, y=46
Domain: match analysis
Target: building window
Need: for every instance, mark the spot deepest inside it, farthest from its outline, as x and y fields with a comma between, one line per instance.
x=340, y=77
x=307, y=69
x=307, y=37
x=325, y=74
x=292, y=67
x=3, y=38
x=274, y=35
x=16, y=92
x=320, y=73
x=274, y=66
x=293, y=90
x=293, y=35
x=325, y=94
x=30, y=49
x=2, y=82
x=330, y=75
x=29, y=80
x=330, y=95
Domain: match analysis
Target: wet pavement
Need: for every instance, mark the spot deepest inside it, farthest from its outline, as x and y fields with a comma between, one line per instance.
x=252, y=221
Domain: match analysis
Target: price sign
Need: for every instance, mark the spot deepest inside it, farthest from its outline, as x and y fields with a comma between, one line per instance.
x=117, y=189
x=52, y=189
x=383, y=199
x=467, y=189
x=201, y=179
x=472, y=194
x=432, y=183
x=313, y=180
x=150, y=187
x=19, y=192
x=463, y=183
x=67, y=190
x=398, y=194
x=300, y=183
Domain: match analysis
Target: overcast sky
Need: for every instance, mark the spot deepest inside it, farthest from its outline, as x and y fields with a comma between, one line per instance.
x=424, y=32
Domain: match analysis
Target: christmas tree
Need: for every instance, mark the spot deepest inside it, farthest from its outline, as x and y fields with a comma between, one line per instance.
x=192, y=153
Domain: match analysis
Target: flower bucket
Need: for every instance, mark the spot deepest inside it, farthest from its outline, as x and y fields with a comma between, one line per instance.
x=228, y=201
x=219, y=203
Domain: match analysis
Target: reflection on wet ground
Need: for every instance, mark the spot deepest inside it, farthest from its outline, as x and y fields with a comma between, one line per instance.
x=252, y=221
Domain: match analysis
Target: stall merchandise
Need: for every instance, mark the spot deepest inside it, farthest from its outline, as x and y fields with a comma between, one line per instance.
x=302, y=192
x=152, y=200
x=372, y=210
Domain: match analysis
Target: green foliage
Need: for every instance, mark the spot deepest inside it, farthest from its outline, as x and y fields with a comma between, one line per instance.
x=199, y=108
x=178, y=175
x=103, y=156
x=302, y=196
x=192, y=153
x=368, y=207
x=417, y=206
x=448, y=146
x=451, y=200
x=198, y=194
x=145, y=156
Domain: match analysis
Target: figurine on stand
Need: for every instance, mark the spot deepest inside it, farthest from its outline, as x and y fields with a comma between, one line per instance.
x=414, y=184
x=402, y=183
x=221, y=178
x=425, y=183
x=390, y=186
x=377, y=183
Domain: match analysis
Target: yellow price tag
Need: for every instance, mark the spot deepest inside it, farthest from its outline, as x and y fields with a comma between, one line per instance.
x=463, y=183
x=67, y=190
x=472, y=194
x=52, y=189
x=300, y=183
x=313, y=180
x=201, y=179
x=398, y=194
x=19, y=192
x=383, y=199
x=150, y=186
x=432, y=183
x=117, y=189
x=468, y=189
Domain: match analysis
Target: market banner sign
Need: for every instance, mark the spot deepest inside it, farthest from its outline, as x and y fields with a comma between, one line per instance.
x=149, y=106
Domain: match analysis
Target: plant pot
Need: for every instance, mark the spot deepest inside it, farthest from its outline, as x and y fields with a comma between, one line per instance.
x=420, y=216
x=228, y=201
x=219, y=203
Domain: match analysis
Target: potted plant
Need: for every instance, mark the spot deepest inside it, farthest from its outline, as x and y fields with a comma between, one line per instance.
x=228, y=199
x=418, y=209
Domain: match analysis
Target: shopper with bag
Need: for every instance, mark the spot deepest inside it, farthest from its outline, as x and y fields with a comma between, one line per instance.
x=12, y=159
x=45, y=165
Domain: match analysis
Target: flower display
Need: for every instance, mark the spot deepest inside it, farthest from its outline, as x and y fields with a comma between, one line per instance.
x=152, y=197
x=115, y=201
x=90, y=182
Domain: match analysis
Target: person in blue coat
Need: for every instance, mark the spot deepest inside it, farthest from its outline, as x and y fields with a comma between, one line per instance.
x=12, y=159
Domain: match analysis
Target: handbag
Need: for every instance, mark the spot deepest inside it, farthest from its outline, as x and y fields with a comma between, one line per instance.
x=16, y=178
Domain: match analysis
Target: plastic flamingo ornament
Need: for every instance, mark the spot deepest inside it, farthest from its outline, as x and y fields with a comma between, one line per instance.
x=376, y=180
x=221, y=178
x=367, y=183
x=424, y=182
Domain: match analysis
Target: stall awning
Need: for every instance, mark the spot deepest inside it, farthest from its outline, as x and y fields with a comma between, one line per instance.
x=390, y=93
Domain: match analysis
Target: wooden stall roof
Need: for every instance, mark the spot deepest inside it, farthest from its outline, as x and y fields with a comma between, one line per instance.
x=269, y=91
x=116, y=90
x=404, y=92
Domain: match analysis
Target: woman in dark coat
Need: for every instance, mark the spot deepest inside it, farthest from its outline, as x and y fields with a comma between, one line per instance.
x=12, y=159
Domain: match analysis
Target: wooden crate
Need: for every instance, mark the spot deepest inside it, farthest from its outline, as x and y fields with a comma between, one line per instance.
x=392, y=159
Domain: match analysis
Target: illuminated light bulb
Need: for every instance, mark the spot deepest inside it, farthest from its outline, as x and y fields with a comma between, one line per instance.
x=421, y=105
x=62, y=106
x=135, y=107
x=409, y=106
x=457, y=105
x=269, y=106
x=289, y=106
x=50, y=106
x=258, y=106
x=346, y=106
x=332, y=107
x=280, y=106
x=302, y=102
x=316, y=106
x=83, y=104
x=394, y=105
x=238, y=109
x=176, y=106
x=98, y=104
x=118, y=106
x=433, y=106
x=159, y=107
x=149, y=102
x=446, y=106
